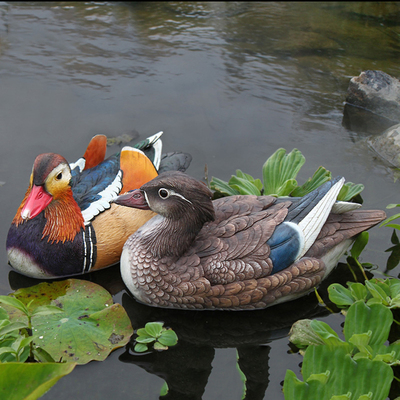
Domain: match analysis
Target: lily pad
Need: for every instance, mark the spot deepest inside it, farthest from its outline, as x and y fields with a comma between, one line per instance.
x=90, y=327
x=30, y=381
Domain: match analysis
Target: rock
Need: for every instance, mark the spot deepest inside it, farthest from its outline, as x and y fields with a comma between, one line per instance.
x=372, y=102
x=387, y=145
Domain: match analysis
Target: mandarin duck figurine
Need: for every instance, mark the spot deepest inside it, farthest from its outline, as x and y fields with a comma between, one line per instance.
x=234, y=253
x=66, y=224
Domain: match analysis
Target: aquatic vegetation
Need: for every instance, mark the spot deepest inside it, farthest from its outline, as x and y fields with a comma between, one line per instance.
x=279, y=174
x=30, y=380
x=88, y=327
x=394, y=258
x=334, y=368
x=20, y=379
x=156, y=335
x=16, y=338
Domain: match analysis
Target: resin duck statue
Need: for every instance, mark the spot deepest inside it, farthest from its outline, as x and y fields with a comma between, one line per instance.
x=234, y=253
x=66, y=224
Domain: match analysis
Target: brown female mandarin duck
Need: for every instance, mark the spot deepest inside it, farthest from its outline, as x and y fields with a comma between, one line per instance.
x=238, y=252
x=66, y=224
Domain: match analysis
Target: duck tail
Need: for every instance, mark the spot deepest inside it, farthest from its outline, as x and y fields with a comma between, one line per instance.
x=152, y=147
x=311, y=211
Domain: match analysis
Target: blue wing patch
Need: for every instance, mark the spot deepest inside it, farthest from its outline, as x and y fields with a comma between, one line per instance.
x=93, y=188
x=285, y=244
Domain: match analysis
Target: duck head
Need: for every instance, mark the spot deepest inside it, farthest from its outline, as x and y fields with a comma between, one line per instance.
x=50, y=192
x=49, y=179
x=173, y=195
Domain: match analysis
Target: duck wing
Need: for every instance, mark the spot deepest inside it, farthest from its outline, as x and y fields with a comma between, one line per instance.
x=94, y=188
x=235, y=246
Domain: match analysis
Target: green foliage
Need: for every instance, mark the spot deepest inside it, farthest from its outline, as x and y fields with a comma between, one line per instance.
x=71, y=320
x=394, y=257
x=375, y=291
x=156, y=335
x=29, y=381
x=279, y=174
x=334, y=368
x=16, y=338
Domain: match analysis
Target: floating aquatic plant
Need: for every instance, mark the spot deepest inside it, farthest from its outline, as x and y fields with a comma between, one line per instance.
x=88, y=327
x=279, y=174
x=156, y=335
x=340, y=369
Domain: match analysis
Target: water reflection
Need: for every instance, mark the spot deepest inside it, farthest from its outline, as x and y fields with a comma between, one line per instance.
x=187, y=366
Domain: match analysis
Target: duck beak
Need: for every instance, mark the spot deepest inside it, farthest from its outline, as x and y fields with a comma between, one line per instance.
x=134, y=198
x=38, y=199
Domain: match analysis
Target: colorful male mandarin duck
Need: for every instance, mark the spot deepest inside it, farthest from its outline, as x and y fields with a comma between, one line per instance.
x=234, y=253
x=66, y=224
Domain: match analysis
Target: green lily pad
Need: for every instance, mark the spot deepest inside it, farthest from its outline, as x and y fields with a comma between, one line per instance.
x=90, y=327
x=26, y=381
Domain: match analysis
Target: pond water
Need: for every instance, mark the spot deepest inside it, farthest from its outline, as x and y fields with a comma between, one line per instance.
x=227, y=82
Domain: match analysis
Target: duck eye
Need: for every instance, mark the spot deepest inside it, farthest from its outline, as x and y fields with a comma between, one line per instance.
x=163, y=193
x=59, y=176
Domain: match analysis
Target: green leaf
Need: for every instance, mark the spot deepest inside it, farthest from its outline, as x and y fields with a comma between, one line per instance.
x=395, y=226
x=346, y=375
x=389, y=219
x=164, y=389
x=325, y=332
x=154, y=328
x=143, y=333
x=394, y=287
x=342, y=397
x=42, y=355
x=13, y=302
x=280, y=168
x=359, y=244
x=243, y=186
x=46, y=310
x=29, y=381
x=392, y=205
x=366, y=396
x=145, y=339
x=256, y=182
x=339, y=295
x=303, y=335
x=140, y=347
x=12, y=326
x=222, y=187
x=159, y=346
x=358, y=291
x=361, y=318
x=89, y=328
x=168, y=338
x=349, y=191
x=377, y=292
x=321, y=175
x=7, y=349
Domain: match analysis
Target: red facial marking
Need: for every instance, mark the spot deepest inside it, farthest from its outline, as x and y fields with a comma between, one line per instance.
x=38, y=199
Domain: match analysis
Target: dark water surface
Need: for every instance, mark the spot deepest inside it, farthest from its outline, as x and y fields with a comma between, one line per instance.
x=229, y=83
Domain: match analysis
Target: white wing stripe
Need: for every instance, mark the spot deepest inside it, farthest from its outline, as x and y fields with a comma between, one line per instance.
x=106, y=195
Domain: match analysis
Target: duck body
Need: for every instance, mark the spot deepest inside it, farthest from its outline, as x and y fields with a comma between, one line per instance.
x=66, y=224
x=238, y=252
